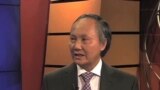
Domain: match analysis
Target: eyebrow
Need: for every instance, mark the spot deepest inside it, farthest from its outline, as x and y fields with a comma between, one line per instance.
x=83, y=35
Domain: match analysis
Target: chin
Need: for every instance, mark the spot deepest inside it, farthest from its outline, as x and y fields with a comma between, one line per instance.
x=80, y=62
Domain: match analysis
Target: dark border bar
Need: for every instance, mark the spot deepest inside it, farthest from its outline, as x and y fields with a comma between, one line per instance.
x=125, y=66
x=125, y=33
x=114, y=33
x=65, y=1
x=65, y=33
x=116, y=66
x=54, y=66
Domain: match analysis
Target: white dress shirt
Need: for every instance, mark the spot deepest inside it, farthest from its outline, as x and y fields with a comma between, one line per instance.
x=95, y=81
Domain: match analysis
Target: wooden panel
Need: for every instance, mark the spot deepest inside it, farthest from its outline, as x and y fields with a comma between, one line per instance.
x=124, y=50
x=62, y=15
x=58, y=50
x=122, y=15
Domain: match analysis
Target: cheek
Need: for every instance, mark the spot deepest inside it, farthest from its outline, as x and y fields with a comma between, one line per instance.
x=93, y=50
x=70, y=47
x=89, y=51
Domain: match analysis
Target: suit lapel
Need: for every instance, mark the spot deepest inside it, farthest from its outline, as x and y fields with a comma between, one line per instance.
x=70, y=79
x=106, y=78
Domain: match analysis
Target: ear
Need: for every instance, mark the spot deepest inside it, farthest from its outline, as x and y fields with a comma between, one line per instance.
x=103, y=45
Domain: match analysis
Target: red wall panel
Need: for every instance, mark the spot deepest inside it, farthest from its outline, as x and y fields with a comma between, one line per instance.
x=34, y=20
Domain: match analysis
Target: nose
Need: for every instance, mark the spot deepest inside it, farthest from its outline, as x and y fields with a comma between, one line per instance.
x=77, y=45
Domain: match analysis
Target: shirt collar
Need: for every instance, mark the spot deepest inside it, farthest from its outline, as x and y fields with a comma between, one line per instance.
x=96, y=70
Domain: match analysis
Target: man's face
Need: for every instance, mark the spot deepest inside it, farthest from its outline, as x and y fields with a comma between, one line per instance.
x=84, y=43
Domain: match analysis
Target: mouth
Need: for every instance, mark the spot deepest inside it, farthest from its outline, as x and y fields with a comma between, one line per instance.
x=78, y=55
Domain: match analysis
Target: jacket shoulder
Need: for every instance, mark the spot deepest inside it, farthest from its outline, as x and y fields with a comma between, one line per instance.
x=58, y=73
x=119, y=79
x=54, y=80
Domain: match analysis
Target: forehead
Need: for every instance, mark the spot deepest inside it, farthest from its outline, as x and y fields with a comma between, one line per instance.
x=85, y=26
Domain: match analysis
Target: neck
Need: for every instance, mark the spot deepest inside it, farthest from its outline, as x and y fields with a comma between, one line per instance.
x=90, y=67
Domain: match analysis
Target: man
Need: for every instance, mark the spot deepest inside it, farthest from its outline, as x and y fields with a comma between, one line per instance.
x=90, y=40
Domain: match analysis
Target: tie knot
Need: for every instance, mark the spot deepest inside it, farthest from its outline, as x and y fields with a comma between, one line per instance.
x=87, y=76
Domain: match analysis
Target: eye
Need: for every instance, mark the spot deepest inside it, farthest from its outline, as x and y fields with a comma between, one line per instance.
x=73, y=39
x=84, y=39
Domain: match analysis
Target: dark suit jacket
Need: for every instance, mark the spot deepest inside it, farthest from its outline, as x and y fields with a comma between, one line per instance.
x=111, y=79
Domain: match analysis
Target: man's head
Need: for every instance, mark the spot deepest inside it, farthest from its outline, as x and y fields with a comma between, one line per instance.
x=90, y=39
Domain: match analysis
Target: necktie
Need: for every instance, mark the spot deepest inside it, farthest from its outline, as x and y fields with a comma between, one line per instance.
x=87, y=77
